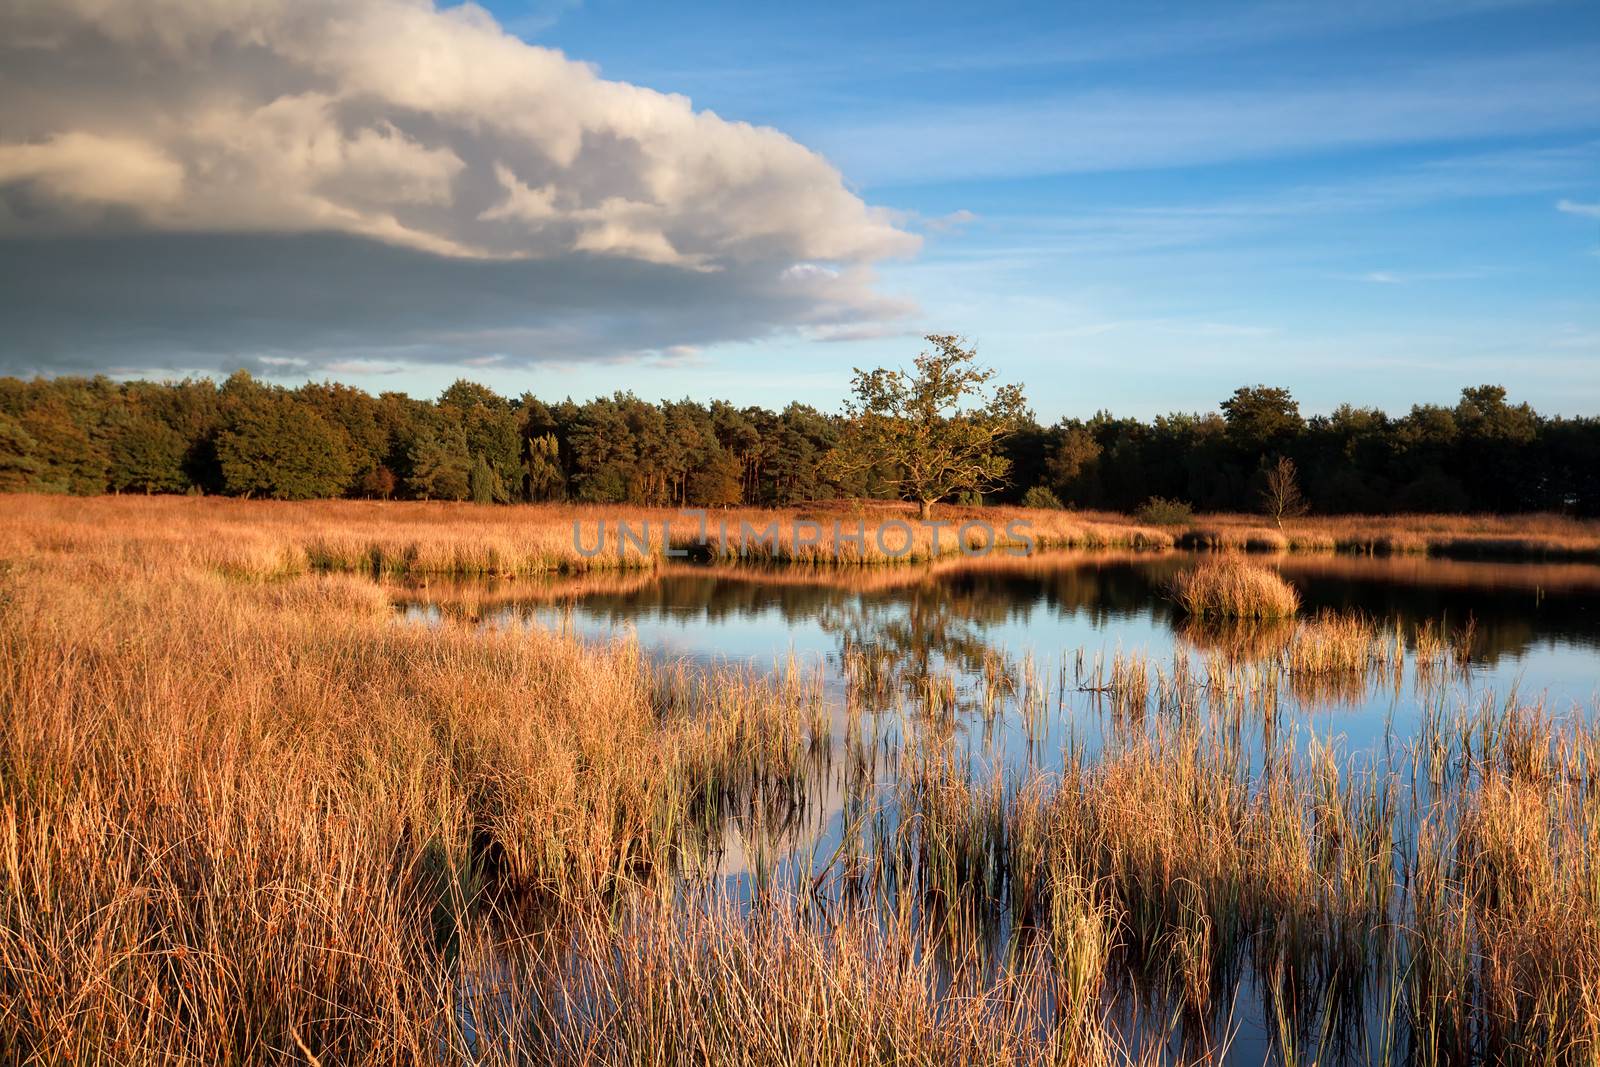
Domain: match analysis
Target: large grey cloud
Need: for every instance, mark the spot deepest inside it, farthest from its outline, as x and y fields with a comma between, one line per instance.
x=183, y=181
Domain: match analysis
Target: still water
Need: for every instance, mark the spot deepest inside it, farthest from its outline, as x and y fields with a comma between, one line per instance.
x=1021, y=649
x=1534, y=629
x=1019, y=654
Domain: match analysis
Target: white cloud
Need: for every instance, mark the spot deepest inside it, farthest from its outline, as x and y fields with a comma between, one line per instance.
x=362, y=367
x=1392, y=277
x=680, y=356
x=421, y=128
x=392, y=118
x=86, y=168
x=1023, y=242
x=955, y=220
x=1573, y=207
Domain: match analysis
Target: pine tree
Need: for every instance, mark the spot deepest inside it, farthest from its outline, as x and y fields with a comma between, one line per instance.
x=484, y=483
x=546, y=480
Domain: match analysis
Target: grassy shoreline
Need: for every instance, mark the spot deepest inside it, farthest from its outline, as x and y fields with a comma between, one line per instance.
x=274, y=539
x=1497, y=537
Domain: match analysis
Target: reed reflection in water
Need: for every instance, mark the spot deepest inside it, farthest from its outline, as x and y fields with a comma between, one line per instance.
x=967, y=703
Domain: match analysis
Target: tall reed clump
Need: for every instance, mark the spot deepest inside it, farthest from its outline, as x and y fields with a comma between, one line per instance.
x=252, y=823
x=720, y=983
x=1503, y=927
x=1333, y=643
x=1228, y=587
x=1169, y=867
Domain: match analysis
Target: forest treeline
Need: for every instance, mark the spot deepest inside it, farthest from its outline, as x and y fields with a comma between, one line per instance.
x=246, y=438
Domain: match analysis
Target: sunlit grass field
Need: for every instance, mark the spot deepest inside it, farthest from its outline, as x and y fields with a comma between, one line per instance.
x=247, y=816
x=268, y=538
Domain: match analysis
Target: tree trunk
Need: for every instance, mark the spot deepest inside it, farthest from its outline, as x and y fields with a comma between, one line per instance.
x=926, y=510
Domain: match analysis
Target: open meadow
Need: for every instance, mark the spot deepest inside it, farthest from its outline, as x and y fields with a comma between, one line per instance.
x=251, y=814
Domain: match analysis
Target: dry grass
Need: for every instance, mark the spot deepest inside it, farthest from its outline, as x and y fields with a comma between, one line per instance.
x=255, y=822
x=1454, y=922
x=240, y=817
x=1227, y=586
x=763, y=987
x=1239, y=538
x=1551, y=537
x=1504, y=921
x=407, y=538
x=261, y=822
x=1334, y=643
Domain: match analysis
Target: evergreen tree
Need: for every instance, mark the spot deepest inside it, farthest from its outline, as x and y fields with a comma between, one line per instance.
x=545, y=479
x=484, y=484
x=1261, y=419
x=70, y=458
x=714, y=481
x=90, y=435
x=440, y=467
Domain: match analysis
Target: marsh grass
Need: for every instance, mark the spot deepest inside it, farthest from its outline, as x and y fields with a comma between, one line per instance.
x=410, y=539
x=234, y=814
x=248, y=821
x=266, y=540
x=1228, y=586
x=1463, y=912
x=1529, y=537
x=764, y=986
x=1341, y=643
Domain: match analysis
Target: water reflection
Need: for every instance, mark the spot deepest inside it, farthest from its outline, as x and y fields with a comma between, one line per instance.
x=1026, y=662
x=955, y=689
x=1533, y=624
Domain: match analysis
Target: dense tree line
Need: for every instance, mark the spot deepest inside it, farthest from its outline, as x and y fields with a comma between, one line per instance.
x=247, y=438
x=1482, y=454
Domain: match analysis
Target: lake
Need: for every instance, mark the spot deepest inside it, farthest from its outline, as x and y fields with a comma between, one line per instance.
x=1535, y=628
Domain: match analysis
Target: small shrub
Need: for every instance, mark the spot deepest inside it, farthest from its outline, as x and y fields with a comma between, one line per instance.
x=1040, y=497
x=1159, y=511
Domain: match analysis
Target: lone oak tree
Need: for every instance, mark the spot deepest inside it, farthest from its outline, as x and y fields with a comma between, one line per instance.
x=934, y=431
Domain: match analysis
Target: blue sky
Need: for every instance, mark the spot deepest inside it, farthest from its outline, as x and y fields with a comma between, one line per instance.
x=1134, y=207
x=1359, y=201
